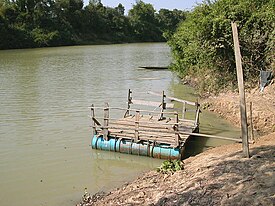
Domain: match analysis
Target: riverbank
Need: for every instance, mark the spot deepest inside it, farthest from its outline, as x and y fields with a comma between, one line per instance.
x=219, y=176
x=263, y=108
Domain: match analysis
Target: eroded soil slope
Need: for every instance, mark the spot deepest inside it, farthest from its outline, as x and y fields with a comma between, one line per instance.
x=263, y=108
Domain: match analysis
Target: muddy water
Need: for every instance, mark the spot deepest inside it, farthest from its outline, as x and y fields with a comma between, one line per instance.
x=210, y=123
x=44, y=125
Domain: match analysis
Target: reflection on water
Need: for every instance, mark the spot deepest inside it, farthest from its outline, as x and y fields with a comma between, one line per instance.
x=44, y=125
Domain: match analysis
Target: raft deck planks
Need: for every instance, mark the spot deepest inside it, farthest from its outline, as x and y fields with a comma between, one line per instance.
x=150, y=127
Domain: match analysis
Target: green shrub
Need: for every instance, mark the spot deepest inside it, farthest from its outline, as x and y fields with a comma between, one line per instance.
x=202, y=47
x=170, y=166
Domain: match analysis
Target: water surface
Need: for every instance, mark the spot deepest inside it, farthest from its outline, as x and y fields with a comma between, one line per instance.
x=44, y=125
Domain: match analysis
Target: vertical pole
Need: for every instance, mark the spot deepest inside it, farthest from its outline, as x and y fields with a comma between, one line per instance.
x=197, y=118
x=241, y=90
x=163, y=101
x=128, y=103
x=162, y=106
x=251, y=123
x=106, y=121
x=93, y=122
x=176, y=129
x=183, y=110
x=137, y=126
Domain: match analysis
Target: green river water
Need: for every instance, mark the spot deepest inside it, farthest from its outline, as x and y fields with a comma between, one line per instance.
x=44, y=125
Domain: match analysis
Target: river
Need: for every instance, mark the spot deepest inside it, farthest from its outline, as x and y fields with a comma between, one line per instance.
x=44, y=125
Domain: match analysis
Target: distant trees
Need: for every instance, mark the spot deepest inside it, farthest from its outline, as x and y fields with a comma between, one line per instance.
x=203, y=47
x=144, y=22
x=40, y=23
x=169, y=20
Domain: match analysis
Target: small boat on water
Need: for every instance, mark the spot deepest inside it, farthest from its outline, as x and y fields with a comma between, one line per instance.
x=153, y=68
x=159, y=132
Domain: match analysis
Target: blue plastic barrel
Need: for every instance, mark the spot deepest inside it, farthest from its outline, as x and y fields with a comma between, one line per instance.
x=164, y=152
x=127, y=146
x=100, y=143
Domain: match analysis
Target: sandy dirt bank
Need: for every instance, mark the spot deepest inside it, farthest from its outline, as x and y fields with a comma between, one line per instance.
x=263, y=108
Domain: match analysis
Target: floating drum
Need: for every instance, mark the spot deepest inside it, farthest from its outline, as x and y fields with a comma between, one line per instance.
x=126, y=146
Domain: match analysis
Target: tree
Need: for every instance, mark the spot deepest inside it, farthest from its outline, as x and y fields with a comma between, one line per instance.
x=203, y=47
x=120, y=9
x=39, y=23
x=169, y=20
x=144, y=23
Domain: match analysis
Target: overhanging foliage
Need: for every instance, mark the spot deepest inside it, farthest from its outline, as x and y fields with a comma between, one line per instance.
x=203, y=47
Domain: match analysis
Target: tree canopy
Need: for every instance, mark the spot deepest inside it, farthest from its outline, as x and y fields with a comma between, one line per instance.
x=203, y=45
x=40, y=23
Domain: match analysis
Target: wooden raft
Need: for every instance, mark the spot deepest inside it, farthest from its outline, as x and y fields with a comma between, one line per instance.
x=155, y=126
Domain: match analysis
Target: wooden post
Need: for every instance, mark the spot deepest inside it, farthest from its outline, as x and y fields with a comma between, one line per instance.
x=163, y=101
x=137, y=126
x=93, y=122
x=251, y=124
x=106, y=122
x=176, y=129
x=129, y=101
x=197, y=118
x=183, y=110
x=162, y=106
x=241, y=90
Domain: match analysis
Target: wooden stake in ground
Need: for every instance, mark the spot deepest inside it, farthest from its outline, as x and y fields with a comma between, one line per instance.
x=241, y=90
x=251, y=123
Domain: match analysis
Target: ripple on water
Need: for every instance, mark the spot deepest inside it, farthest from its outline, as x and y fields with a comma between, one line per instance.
x=44, y=125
